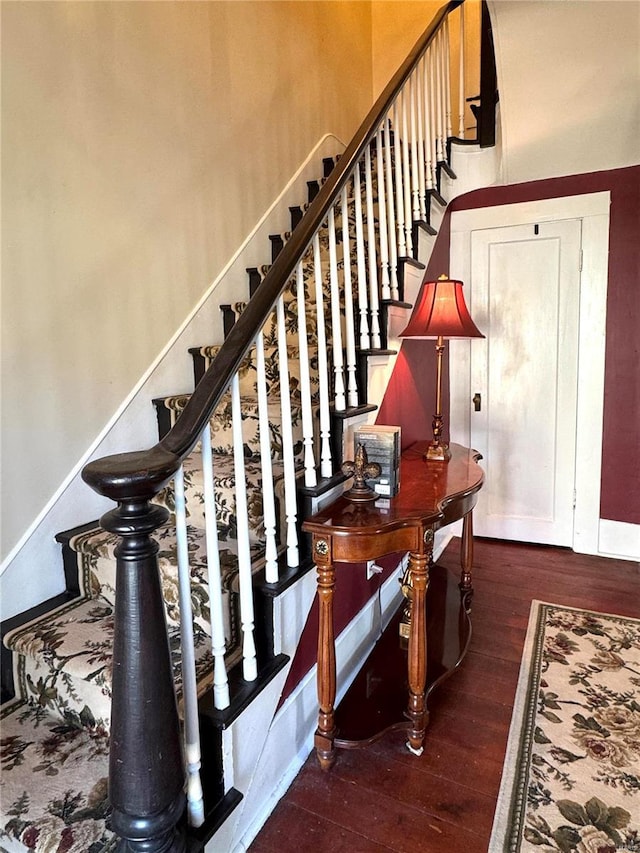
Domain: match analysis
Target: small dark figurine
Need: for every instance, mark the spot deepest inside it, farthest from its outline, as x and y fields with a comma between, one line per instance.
x=361, y=469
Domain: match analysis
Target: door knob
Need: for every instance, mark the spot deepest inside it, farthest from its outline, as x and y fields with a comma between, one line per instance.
x=477, y=401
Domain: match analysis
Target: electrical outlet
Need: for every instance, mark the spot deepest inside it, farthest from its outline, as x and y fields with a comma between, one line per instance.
x=372, y=569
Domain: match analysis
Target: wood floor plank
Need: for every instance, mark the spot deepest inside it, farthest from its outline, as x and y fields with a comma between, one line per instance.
x=386, y=775
x=464, y=701
x=487, y=742
x=484, y=676
x=501, y=642
x=484, y=613
x=381, y=819
x=292, y=828
x=384, y=798
x=446, y=758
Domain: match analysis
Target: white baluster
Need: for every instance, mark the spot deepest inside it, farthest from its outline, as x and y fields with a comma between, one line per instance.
x=418, y=80
x=363, y=301
x=410, y=88
x=433, y=112
x=397, y=139
x=310, y=477
x=290, y=503
x=249, y=664
x=447, y=75
x=382, y=218
x=374, y=298
x=391, y=217
x=195, y=801
x=268, y=492
x=350, y=330
x=461, y=83
x=406, y=171
x=336, y=322
x=429, y=139
x=214, y=577
x=323, y=367
x=440, y=102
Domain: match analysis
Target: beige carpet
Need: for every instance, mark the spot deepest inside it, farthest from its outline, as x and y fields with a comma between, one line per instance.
x=54, y=784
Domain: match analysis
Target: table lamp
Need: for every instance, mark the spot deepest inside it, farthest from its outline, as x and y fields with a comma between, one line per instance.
x=441, y=313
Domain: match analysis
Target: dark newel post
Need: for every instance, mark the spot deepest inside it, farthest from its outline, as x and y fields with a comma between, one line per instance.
x=146, y=770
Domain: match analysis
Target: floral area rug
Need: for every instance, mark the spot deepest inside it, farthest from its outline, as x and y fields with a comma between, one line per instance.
x=571, y=779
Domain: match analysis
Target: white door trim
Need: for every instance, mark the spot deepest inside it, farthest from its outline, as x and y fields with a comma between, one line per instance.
x=593, y=209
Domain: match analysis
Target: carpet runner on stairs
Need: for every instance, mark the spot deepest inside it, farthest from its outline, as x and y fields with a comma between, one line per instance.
x=54, y=784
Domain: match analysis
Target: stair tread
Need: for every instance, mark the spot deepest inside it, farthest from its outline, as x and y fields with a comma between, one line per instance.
x=63, y=661
x=249, y=371
x=177, y=402
x=438, y=197
x=98, y=547
x=79, y=633
x=98, y=543
x=54, y=780
x=425, y=226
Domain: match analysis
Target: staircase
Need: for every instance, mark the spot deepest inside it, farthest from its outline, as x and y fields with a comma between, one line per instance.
x=162, y=667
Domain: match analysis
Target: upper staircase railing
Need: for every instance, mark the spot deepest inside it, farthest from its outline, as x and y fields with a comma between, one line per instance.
x=258, y=421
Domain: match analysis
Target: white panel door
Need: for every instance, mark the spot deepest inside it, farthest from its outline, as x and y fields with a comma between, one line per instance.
x=525, y=297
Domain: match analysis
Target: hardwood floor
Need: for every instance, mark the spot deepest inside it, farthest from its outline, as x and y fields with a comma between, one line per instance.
x=384, y=799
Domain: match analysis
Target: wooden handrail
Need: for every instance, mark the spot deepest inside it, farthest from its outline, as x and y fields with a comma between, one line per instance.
x=108, y=475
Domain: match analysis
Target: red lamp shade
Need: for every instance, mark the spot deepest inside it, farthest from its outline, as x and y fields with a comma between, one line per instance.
x=441, y=313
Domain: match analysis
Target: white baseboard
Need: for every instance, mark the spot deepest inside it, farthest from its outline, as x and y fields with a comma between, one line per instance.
x=619, y=539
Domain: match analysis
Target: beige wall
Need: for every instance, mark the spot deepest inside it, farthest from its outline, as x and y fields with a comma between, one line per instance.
x=140, y=144
x=568, y=97
x=396, y=27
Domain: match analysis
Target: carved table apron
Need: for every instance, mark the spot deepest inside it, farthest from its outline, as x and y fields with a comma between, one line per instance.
x=432, y=495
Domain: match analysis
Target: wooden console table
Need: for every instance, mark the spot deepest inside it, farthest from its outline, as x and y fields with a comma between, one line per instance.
x=432, y=495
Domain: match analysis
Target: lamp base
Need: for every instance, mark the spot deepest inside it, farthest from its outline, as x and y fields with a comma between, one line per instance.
x=437, y=452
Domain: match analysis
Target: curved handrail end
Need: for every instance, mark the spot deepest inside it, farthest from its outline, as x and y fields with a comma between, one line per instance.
x=129, y=476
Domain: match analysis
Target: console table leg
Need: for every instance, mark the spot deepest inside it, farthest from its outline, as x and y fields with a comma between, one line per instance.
x=325, y=733
x=466, y=561
x=417, y=653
